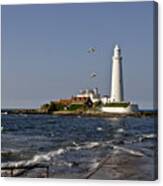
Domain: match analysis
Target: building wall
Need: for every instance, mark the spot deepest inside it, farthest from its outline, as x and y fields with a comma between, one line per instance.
x=73, y=100
x=130, y=108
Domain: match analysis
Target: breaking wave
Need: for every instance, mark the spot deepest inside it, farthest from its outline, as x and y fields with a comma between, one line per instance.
x=36, y=159
x=50, y=155
x=129, y=151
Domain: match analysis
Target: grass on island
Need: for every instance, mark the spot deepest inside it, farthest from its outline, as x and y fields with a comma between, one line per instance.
x=52, y=106
x=117, y=104
x=75, y=107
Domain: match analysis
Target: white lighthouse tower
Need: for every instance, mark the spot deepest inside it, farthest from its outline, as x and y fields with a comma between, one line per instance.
x=116, y=103
x=117, y=78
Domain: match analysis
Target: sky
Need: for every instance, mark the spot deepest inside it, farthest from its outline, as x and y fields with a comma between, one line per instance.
x=45, y=51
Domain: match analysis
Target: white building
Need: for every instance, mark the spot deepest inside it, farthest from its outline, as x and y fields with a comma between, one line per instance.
x=93, y=94
x=117, y=78
x=115, y=103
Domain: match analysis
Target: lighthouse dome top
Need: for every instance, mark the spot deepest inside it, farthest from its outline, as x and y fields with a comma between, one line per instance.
x=117, y=51
x=117, y=47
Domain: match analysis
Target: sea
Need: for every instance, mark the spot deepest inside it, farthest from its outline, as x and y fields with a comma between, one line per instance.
x=74, y=146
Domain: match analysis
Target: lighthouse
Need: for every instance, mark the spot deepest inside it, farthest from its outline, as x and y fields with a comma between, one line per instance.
x=117, y=77
x=115, y=103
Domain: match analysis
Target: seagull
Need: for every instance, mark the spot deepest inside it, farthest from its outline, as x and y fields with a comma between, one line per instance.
x=93, y=75
x=91, y=50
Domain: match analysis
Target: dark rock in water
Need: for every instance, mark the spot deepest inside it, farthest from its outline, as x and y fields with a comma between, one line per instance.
x=119, y=142
x=75, y=164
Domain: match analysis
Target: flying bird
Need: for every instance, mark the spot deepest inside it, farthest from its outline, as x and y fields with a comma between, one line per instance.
x=93, y=75
x=91, y=50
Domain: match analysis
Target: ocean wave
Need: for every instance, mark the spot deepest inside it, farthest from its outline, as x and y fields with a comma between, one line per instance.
x=120, y=130
x=130, y=151
x=144, y=137
x=51, y=121
x=52, y=156
x=87, y=145
x=9, y=153
x=74, y=146
x=36, y=159
x=6, y=151
x=92, y=145
x=48, y=156
x=23, y=115
x=39, y=158
x=94, y=165
x=99, y=129
x=149, y=136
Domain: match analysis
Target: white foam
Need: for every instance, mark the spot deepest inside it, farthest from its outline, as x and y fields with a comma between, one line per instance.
x=74, y=147
x=146, y=136
x=94, y=165
x=36, y=159
x=99, y=129
x=88, y=145
x=75, y=144
x=120, y=130
x=77, y=148
x=130, y=151
x=2, y=128
x=92, y=145
x=149, y=136
x=48, y=156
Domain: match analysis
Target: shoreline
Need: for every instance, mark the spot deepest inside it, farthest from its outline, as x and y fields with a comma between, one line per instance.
x=104, y=114
x=89, y=113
